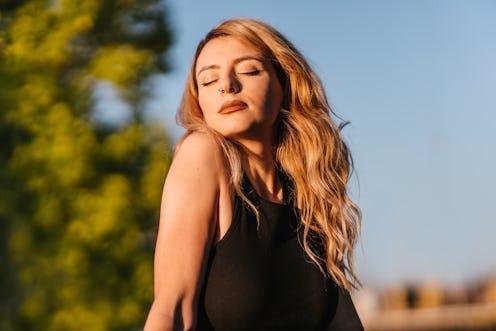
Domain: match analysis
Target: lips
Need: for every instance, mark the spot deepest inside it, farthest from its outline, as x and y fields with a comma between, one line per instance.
x=232, y=106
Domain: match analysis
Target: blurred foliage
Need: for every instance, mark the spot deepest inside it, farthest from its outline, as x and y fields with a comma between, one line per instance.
x=79, y=198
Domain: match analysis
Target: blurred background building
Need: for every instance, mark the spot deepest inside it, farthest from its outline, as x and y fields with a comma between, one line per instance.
x=429, y=306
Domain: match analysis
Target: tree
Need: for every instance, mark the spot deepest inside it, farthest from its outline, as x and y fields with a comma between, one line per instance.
x=79, y=197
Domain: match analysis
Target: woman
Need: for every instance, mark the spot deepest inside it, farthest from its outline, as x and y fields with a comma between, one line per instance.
x=256, y=229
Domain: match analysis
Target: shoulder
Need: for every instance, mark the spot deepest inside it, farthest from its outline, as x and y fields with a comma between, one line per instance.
x=199, y=145
x=200, y=151
x=199, y=157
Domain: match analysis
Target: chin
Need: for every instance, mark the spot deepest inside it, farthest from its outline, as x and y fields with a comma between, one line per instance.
x=235, y=132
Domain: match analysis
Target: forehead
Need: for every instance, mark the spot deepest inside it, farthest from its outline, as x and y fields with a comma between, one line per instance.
x=225, y=49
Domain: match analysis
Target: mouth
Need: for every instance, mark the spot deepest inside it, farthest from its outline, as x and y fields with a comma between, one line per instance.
x=232, y=106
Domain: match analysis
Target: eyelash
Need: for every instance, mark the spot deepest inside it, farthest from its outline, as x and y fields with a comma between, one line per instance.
x=249, y=73
x=207, y=83
x=252, y=73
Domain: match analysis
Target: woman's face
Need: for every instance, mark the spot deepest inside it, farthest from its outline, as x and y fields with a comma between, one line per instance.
x=238, y=89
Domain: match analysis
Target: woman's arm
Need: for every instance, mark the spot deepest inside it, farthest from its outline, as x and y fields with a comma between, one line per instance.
x=188, y=219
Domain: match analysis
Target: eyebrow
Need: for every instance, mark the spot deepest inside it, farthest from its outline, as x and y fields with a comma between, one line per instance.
x=236, y=61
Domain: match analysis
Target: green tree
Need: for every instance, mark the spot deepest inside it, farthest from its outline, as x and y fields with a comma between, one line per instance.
x=79, y=197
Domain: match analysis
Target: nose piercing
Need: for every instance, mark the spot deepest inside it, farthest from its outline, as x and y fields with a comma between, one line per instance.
x=221, y=91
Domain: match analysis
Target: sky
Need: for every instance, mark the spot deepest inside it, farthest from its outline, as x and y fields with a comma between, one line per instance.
x=417, y=80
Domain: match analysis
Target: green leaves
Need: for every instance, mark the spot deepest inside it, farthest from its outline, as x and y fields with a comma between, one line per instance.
x=79, y=199
x=118, y=64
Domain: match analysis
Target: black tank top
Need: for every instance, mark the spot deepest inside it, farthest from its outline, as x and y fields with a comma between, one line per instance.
x=259, y=278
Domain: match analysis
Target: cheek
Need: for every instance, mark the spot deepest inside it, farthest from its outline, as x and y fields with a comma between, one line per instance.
x=206, y=105
x=273, y=99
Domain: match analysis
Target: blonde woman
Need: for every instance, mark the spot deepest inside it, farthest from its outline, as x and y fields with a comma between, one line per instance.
x=256, y=229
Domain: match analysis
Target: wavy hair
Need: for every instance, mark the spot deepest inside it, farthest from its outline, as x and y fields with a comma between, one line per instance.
x=308, y=149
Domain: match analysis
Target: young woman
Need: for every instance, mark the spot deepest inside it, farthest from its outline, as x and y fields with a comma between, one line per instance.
x=256, y=229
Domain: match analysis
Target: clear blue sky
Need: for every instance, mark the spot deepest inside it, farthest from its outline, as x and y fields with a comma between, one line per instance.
x=417, y=80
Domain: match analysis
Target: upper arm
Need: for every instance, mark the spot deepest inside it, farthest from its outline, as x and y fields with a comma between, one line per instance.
x=188, y=217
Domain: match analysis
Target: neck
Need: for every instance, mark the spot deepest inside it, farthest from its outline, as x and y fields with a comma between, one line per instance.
x=258, y=162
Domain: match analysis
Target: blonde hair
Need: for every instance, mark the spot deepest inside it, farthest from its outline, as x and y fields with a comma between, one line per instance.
x=309, y=149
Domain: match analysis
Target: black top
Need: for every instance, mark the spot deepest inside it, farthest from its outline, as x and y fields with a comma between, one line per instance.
x=261, y=279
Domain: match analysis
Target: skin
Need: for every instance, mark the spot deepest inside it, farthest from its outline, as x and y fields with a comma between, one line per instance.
x=197, y=201
x=227, y=64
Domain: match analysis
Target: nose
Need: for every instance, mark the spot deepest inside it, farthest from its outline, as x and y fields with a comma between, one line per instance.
x=229, y=84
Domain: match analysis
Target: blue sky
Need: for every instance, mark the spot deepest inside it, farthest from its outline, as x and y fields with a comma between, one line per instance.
x=417, y=80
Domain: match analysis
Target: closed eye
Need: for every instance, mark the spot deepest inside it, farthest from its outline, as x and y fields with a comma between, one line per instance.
x=208, y=83
x=251, y=72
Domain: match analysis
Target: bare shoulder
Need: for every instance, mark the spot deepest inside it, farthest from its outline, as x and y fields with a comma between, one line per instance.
x=198, y=160
x=199, y=153
x=199, y=146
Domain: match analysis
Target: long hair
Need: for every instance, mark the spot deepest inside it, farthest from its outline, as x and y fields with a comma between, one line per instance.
x=308, y=149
